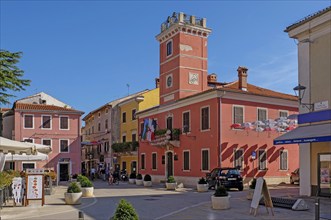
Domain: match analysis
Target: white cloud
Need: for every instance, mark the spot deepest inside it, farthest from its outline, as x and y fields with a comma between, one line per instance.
x=279, y=73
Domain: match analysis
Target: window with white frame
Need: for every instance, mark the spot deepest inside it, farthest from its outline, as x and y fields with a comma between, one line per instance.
x=106, y=124
x=142, y=161
x=99, y=148
x=64, y=146
x=46, y=122
x=169, y=122
x=154, y=157
x=205, y=160
x=283, y=114
x=239, y=158
x=124, y=117
x=133, y=136
x=28, y=165
x=106, y=146
x=30, y=140
x=186, y=122
x=186, y=165
x=238, y=114
x=205, y=118
x=64, y=122
x=262, y=159
x=133, y=114
x=283, y=160
x=47, y=142
x=169, y=48
x=261, y=114
x=28, y=121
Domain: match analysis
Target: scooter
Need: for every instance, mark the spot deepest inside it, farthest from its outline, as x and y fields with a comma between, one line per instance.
x=124, y=175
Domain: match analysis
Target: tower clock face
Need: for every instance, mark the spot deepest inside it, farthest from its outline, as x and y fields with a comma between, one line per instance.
x=169, y=81
x=193, y=78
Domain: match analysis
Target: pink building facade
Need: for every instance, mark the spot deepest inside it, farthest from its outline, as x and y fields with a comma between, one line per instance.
x=219, y=124
x=56, y=126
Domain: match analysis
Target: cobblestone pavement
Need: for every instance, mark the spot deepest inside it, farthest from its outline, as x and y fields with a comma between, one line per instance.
x=158, y=203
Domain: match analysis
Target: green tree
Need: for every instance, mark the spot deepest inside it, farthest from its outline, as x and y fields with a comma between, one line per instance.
x=10, y=75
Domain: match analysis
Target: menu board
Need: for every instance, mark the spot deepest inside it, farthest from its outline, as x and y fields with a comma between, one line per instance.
x=35, y=187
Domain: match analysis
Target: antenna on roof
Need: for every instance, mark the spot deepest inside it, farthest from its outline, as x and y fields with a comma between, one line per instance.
x=128, y=88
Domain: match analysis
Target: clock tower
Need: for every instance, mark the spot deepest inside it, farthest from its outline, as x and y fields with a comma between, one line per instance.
x=183, y=57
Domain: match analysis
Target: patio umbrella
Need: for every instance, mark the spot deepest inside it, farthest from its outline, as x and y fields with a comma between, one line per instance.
x=41, y=148
x=25, y=157
x=16, y=147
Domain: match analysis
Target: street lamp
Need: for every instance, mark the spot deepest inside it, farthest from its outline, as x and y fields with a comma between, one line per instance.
x=300, y=92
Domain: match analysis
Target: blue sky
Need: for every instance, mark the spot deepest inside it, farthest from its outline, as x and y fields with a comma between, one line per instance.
x=84, y=53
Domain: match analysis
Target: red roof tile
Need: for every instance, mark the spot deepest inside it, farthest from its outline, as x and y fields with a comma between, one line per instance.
x=255, y=90
x=41, y=107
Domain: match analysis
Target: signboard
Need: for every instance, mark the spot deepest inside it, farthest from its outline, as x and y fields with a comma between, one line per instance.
x=261, y=189
x=35, y=188
x=321, y=105
x=35, y=171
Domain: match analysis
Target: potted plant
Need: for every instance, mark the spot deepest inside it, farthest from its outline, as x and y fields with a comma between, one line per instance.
x=132, y=178
x=147, y=180
x=139, y=179
x=73, y=194
x=125, y=210
x=221, y=198
x=87, y=187
x=251, y=189
x=202, y=185
x=171, y=183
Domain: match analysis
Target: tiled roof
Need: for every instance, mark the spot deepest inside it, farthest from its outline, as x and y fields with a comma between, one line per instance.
x=4, y=109
x=308, y=18
x=41, y=107
x=255, y=90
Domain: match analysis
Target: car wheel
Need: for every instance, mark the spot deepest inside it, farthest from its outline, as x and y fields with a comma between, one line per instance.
x=240, y=188
x=291, y=181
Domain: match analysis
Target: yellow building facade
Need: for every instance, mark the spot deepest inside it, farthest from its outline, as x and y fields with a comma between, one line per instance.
x=128, y=159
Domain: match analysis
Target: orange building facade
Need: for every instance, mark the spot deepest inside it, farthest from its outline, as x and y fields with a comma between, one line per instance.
x=201, y=124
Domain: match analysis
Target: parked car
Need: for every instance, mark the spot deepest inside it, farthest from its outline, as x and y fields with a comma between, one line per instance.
x=229, y=177
x=295, y=176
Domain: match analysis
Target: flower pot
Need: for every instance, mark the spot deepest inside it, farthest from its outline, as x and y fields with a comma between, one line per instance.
x=220, y=202
x=87, y=191
x=139, y=182
x=132, y=181
x=202, y=187
x=72, y=198
x=171, y=186
x=250, y=194
x=147, y=183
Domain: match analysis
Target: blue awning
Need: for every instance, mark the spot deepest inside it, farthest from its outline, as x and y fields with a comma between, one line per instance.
x=306, y=134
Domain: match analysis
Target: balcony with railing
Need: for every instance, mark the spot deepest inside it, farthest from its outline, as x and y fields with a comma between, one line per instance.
x=126, y=147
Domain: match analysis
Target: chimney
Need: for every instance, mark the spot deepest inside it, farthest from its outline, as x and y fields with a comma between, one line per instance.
x=212, y=78
x=242, y=78
x=157, y=82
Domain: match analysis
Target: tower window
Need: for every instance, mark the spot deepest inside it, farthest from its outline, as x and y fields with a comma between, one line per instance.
x=169, y=48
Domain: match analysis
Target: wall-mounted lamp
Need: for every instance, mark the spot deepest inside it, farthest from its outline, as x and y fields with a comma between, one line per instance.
x=300, y=92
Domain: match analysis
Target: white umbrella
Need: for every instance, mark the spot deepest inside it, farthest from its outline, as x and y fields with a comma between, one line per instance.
x=16, y=147
x=25, y=157
x=41, y=148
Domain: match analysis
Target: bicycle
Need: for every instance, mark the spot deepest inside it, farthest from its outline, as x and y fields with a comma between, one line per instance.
x=113, y=180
